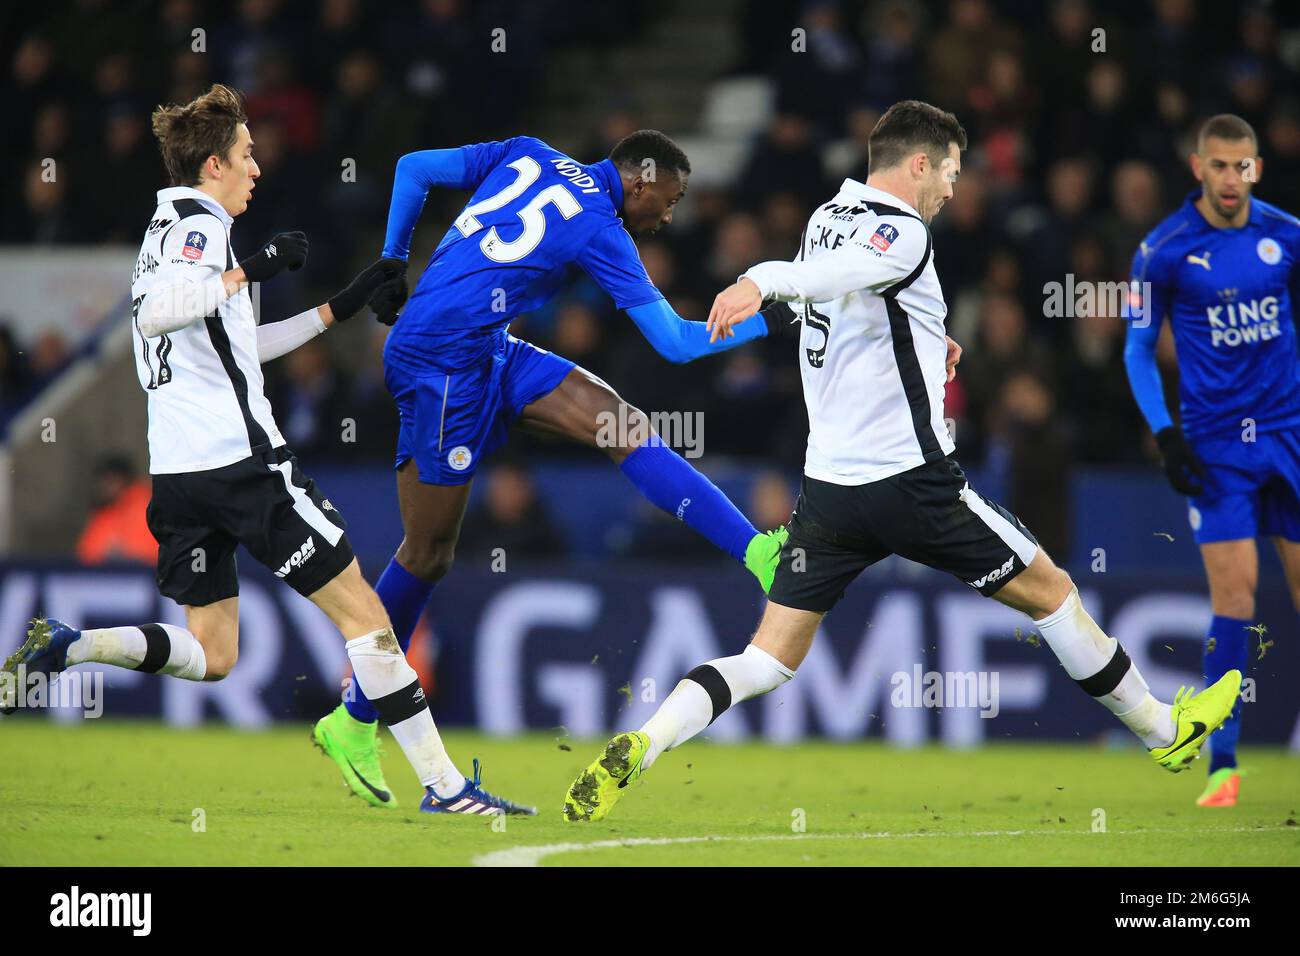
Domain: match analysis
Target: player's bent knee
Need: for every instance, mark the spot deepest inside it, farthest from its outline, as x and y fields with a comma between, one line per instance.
x=622, y=429
x=428, y=562
x=219, y=664
x=1039, y=590
x=1236, y=602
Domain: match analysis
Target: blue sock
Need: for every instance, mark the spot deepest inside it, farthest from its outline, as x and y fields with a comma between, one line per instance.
x=668, y=482
x=1229, y=653
x=404, y=597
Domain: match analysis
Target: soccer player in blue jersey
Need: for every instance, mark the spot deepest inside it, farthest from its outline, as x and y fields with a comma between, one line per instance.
x=1223, y=270
x=461, y=382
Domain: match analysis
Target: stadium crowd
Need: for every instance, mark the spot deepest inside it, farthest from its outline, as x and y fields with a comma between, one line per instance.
x=1076, y=154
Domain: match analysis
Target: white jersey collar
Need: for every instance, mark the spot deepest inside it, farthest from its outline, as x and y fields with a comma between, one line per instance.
x=872, y=194
x=173, y=193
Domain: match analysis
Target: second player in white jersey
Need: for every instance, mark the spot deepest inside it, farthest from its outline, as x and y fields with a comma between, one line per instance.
x=872, y=351
x=879, y=479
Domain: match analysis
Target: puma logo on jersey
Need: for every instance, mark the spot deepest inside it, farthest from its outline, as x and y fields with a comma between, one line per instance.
x=1202, y=260
x=298, y=558
x=996, y=575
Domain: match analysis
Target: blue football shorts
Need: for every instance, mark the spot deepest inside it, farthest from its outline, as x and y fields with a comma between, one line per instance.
x=1252, y=488
x=450, y=420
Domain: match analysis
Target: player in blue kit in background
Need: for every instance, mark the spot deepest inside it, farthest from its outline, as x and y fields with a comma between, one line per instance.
x=461, y=381
x=1223, y=270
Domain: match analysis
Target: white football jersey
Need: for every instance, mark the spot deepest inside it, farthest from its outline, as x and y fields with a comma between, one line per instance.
x=206, y=403
x=872, y=348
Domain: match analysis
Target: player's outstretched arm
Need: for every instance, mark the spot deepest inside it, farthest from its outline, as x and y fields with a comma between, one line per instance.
x=278, y=338
x=854, y=267
x=733, y=306
x=680, y=340
x=873, y=264
x=610, y=257
x=192, y=287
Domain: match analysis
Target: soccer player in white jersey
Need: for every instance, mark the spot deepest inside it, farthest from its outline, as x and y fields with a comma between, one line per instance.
x=879, y=477
x=222, y=475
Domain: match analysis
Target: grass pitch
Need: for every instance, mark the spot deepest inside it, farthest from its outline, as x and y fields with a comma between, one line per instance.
x=134, y=793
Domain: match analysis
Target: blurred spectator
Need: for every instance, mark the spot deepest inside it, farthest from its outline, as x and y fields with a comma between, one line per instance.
x=1106, y=424
x=131, y=164
x=1002, y=346
x=1030, y=450
x=959, y=53
x=1136, y=208
x=785, y=159
x=369, y=404
x=309, y=399
x=1076, y=151
x=818, y=75
x=15, y=376
x=278, y=99
x=578, y=335
x=117, y=529
x=510, y=517
x=892, y=69
x=49, y=356
x=771, y=500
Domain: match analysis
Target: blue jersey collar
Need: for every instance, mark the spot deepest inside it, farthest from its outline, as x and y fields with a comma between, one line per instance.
x=1254, y=218
x=607, y=173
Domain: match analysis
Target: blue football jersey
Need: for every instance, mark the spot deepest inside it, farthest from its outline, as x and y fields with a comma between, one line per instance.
x=1229, y=297
x=534, y=214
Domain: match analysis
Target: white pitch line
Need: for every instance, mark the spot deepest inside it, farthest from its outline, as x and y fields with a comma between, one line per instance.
x=533, y=855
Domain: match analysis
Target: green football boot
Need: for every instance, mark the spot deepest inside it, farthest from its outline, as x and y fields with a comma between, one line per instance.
x=599, y=787
x=762, y=554
x=354, y=746
x=1196, y=716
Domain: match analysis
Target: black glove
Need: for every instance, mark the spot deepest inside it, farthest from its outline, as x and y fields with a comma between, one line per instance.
x=387, y=300
x=779, y=318
x=348, y=303
x=288, y=250
x=1183, y=469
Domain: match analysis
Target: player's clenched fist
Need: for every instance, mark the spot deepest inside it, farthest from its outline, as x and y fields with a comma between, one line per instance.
x=362, y=288
x=1183, y=469
x=288, y=250
x=732, y=306
x=389, y=297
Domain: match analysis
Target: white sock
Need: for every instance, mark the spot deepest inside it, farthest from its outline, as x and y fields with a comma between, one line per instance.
x=382, y=672
x=705, y=693
x=1101, y=667
x=152, y=648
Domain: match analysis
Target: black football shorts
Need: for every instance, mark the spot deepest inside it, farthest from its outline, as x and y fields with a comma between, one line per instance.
x=929, y=514
x=264, y=503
